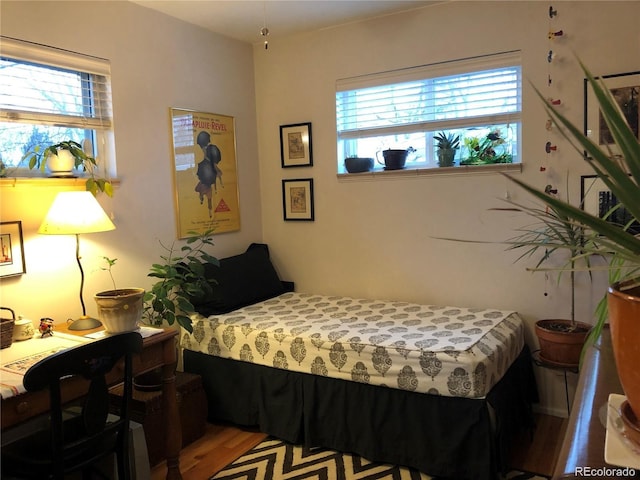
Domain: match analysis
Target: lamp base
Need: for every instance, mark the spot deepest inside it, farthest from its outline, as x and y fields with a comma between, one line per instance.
x=84, y=323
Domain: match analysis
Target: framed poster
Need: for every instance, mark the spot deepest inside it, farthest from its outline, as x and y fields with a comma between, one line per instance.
x=625, y=88
x=297, y=199
x=205, y=172
x=11, y=249
x=295, y=145
x=599, y=201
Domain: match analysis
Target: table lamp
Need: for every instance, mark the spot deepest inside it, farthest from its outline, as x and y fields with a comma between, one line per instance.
x=73, y=213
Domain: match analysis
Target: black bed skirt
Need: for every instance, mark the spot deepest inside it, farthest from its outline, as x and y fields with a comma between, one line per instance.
x=451, y=437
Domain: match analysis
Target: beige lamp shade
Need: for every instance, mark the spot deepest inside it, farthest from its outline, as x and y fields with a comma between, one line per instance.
x=73, y=213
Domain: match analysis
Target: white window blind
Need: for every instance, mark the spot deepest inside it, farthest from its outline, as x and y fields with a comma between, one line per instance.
x=455, y=96
x=49, y=95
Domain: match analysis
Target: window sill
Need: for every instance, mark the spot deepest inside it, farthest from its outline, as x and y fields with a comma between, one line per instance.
x=420, y=172
x=31, y=182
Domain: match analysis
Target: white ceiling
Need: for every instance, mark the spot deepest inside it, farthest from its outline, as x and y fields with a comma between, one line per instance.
x=243, y=19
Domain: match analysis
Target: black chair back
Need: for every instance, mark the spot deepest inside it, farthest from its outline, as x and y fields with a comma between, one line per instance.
x=77, y=441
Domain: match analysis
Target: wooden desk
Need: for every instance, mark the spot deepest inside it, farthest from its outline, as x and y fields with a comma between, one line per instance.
x=583, y=444
x=159, y=350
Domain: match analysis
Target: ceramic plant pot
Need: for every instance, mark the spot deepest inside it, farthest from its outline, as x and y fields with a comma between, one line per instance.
x=358, y=164
x=446, y=157
x=623, y=300
x=61, y=165
x=120, y=310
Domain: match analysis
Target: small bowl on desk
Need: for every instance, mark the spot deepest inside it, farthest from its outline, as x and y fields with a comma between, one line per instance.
x=23, y=330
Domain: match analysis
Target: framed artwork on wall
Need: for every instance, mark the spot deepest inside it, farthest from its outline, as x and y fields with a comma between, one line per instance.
x=625, y=88
x=297, y=199
x=11, y=249
x=295, y=145
x=599, y=201
x=205, y=172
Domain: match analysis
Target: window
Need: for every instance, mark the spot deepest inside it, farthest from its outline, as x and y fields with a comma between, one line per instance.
x=49, y=95
x=478, y=100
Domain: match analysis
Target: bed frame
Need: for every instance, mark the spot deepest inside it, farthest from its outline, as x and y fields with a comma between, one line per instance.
x=461, y=438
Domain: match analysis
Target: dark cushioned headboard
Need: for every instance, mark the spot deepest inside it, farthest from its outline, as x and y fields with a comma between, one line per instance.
x=242, y=280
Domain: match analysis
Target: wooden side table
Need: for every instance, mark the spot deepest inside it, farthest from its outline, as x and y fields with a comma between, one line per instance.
x=583, y=444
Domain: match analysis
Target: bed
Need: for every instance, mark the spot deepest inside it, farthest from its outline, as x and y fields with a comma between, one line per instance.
x=438, y=388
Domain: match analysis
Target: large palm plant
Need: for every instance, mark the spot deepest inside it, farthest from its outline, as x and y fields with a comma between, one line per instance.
x=620, y=174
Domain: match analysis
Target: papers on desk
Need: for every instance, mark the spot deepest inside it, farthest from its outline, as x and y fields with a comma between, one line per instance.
x=16, y=360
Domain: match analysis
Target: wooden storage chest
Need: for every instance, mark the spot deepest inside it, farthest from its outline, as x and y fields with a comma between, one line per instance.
x=146, y=409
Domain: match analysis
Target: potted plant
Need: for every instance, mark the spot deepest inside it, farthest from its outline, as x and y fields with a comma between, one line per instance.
x=447, y=145
x=561, y=340
x=486, y=150
x=119, y=309
x=181, y=278
x=62, y=158
x=355, y=164
x=621, y=174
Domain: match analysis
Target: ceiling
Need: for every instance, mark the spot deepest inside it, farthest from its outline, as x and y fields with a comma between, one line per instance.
x=243, y=19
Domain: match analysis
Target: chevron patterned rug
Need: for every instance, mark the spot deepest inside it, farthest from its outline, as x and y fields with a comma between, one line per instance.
x=277, y=460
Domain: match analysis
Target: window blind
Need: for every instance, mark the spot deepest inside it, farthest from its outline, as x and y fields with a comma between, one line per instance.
x=368, y=106
x=53, y=94
x=39, y=93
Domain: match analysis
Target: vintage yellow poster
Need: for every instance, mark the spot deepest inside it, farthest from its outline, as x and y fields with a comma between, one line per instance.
x=206, y=180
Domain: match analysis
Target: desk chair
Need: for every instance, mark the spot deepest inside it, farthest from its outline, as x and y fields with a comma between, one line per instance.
x=77, y=440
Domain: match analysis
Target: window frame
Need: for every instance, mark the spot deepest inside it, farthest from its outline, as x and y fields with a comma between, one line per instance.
x=429, y=127
x=99, y=124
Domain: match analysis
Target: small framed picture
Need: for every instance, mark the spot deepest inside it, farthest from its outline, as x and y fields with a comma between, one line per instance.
x=11, y=249
x=295, y=145
x=297, y=199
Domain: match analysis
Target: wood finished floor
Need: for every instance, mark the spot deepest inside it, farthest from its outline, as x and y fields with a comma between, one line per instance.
x=222, y=444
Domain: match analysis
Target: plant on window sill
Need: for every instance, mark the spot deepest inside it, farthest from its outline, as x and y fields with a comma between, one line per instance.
x=487, y=150
x=38, y=159
x=447, y=145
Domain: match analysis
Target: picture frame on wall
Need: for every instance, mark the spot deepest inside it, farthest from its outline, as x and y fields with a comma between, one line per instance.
x=598, y=200
x=204, y=172
x=295, y=145
x=297, y=199
x=625, y=88
x=11, y=249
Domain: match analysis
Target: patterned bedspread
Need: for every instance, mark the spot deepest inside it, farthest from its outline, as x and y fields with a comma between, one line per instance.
x=448, y=351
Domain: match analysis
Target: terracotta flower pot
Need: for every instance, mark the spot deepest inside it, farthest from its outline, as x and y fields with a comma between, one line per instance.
x=560, y=342
x=623, y=299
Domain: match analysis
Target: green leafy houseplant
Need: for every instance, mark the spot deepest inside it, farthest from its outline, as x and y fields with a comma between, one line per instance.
x=38, y=156
x=563, y=226
x=181, y=277
x=550, y=232
x=486, y=150
x=620, y=174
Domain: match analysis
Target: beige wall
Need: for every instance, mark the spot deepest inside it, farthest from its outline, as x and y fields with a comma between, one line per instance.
x=157, y=63
x=370, y=238
x=374, y=238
